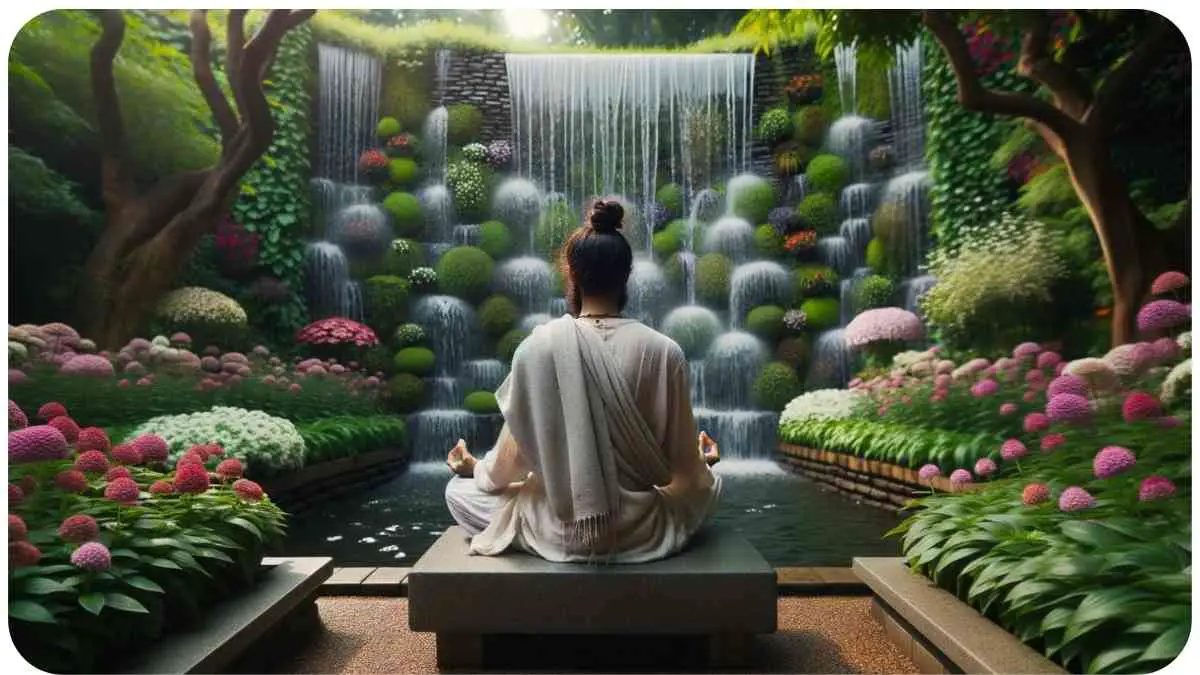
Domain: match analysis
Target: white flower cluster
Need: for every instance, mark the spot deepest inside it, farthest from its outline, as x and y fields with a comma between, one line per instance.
x=194, y=304
x=1185, y=342
x=1178, y=384
x=822, y=404
x=250, y=435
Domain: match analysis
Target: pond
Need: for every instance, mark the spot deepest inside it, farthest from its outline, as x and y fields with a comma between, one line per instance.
x=788, y=518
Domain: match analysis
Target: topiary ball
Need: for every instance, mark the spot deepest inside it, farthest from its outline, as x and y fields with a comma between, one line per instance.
x=819, y=212
x=776, y=385
x=402, y=171
x=827, y=173
x=671, y=197
x=388, y=127
x=775, y=125
x=415, y=361
x=465, y=272
x=463, y=122
x=809, y=125
x=481, y=403
x=753, y=198
x=822, y=313
x=385, y=301
x=713, y=272
x=766, y=322
x=407, y=218
x=768, y=241
x=495, y=239
x=406, y=393
x=409, y=335
x=670, y=240
x=498, y=315
x=874, y=291
x=506, y=347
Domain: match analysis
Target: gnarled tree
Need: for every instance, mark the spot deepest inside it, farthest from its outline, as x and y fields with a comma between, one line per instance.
x=1082, y=88
x=150, y=232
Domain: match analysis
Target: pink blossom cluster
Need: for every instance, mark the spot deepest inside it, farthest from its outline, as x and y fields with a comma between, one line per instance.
x=337, y=331
x=885, y=324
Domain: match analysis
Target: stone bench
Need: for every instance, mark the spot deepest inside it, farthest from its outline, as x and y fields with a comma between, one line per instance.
x=719, y=592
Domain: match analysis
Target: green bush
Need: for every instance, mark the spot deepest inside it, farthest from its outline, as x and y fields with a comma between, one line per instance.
x=465, y=272
x=877, y=256
x=810, y=281
x=791, y=158
x=402, y=257
x=338, y=437
x=776, y=385
x=209, y=317
x=385, y=299
x=495, y=239
x=406, y=93
x=822, y=313
x=406, y=393
x=402, y=171
x=377, y=359
x=407, y=219
x=409, y=335
x=766, y=322
x=809, y=125
x=775, y=125
x=754, y=201
x=481, y=403
x=828, y=174
x=507, y=345
x=768, y=241
x=415, y=361
x=498, y=315
x=671, y=197
x=670, y=239
x=713, y=271
x=463, y=124
x=874, y=291
x=388, y=127
x=820, y=212
x=554, y=226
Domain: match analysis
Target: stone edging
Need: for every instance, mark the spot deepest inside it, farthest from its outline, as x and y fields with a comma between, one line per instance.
x=303, y=489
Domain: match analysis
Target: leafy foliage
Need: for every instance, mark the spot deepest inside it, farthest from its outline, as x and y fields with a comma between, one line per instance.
x=465, y=272
x=337, y=437
x=776, y=385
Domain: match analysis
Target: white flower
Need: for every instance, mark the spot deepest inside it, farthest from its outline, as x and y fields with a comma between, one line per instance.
x=1178, y=383
x=250, y=435
x=822, y=404
x=1185, y=342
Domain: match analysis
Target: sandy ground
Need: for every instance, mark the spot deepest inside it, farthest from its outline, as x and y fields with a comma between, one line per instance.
x=816, y=635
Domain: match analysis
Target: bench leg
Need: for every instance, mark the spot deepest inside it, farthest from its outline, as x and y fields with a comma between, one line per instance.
x=730, y=650
x=459, y=651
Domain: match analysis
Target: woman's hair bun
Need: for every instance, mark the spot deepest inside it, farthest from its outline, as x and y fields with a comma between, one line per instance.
x=606, y=216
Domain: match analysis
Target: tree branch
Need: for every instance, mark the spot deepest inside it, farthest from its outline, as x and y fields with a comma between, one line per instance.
x=1071, y=92
x=1096, y=32
x=116, y=183
x=1126, y=74
x=235, y=42
x=226, y=120
x=972, y=95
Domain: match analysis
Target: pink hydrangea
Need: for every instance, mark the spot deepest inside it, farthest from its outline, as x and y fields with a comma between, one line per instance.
x=248, y=490
x=1130, y=360
x=1159, y=315
x=984, y=387
x=92, y=461
x=976, y=365
x=929, y=472
x=1035, y=493
x=39, y=443
x=337, y=331
x=182, y=339
x=92, y=438
x=1012, y=450
x=1169, y=282
x=92, y=556
x=122, y=490
x=191, y=479
x=1008, y=409
x=88, y=365
x=152, y=447
x=1155, y=487
x=885, y=324
x=23, y=554
x=1139, y=405
x=1112, y=460
x=1075, y=499
x=985, y=467
x=1052, y=441
x=71, y=480
x=17, y=529
x=1071, y=408
x=960, y=477
x=16, y=417
x=78, y=528
x=1035, y=422
x=1059, y=368
x=1164, y=349
x=16, y=376
x=230, y=468
x=1067, y=384
x=1030, y=395
x=944, y=367
x=1047, y=360
x=15, y=495
x=66, y=426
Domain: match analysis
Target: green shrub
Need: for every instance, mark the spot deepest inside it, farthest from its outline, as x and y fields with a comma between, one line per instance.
x=415, y=361
x=693, y=329
x=794, y=352
x=874, y=291
x=388, y=127
x=507, y=345
x=822, y=313
x=888, y=221
x=671, y=197
x=402, y=257
x=768, y=241
x=877, y=256
x=827, y=173
x=820, y=212
x=712, y=279
x=407, y=219
x=554, y=226
x=402, y=171
x=809, y=125
x=406, y=393
x=405, y=93
x=775, y=125
x=409, y=335
x=385, y=299
x=791, y=158
x=673, y=269
x=465, y=272
x=669, y=240
x=809, y=281
x=754, y=201
x=463, y=123
x=338, y=437
x=766, y=322
x=481, y=403
x=498, y=315
x=495, y=239
x=776, y=385
x=378, y=359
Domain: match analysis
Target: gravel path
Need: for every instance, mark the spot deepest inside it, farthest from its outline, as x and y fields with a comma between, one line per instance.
x=816, y=635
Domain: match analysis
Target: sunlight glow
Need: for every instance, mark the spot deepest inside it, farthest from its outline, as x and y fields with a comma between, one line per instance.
x=526, y=23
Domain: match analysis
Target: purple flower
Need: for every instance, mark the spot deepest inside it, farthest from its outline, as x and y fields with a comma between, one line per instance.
x=1162, y=315
x=1067, y=384
x=1155, y=487
x=984, y=387
x=1026, y=349
x=1112, y=460
x=1069, y=408
x=1048, y=359
x=960, y=477
x=92, y=556
x=985, y=467
x=1013, y=449
x=1075, y=499
x=929, y=471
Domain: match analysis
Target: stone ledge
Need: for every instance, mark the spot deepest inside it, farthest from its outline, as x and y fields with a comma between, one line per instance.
x=919, y=616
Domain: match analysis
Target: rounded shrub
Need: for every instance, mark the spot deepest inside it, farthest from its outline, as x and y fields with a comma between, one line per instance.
x=776, y=385
x=793, y=351
x=822, y=313
x=495, y=239
x=402, y=257
x=692, y=328
x=465, y=272
x=766, y=322
x=498, y=315
x=809, y=125
x=670, y=240
x=754, y=201
x=791, y=158
x=810, y=281
x=888, y=221
x=673, y=269
x=827, y=173
x=775, y=125
x=405, y=210
x=507, y=345
x=874, y=291
x=385, y=300
x=671, y=197
x=414, y=361
x=481, y=403
x=409, y=335
x=388, y=127
x=768, y=241
x=209, y=316
x=712, y=279
x=406, y=393
x=877, y=256
x=463, y=123
x=468, y=183
x=402, y=171
x=820, y=212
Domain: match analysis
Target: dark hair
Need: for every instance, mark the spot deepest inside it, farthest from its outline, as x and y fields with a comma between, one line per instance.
x=596, y=259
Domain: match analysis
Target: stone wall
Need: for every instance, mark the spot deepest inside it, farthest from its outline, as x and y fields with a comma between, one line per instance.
x=481, y=79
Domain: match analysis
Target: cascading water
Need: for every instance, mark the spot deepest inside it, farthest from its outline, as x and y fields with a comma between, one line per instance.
x=484, y=374
x=731, y=236
x=908, y=114
x=518, y=204
x=857, y=233
x=451, y=324
x=732, y=362
x=438, y=209
x=851, y=137
x=531, y=321
x=433, y=138
x=831, y=362
x=444, y=393
x=907, y=195
x=647, y=289
x=912, y=290
x=327, y=275
x=441, y=62
x=858, y=200
x=836, y=253
x=847, y=292
x=845, y=59
x=526, y=279
x=757, y=283
x=347, y=110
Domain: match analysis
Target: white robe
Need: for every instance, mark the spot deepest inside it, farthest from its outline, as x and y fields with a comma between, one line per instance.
x=505, y=504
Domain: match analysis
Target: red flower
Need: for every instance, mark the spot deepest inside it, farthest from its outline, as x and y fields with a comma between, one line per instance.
x=15, y=495
x=192, y=456
x=67, y=426
x=191, y=479
x=248, y=490
x=1052, y=441
x=337, y=331
x=92, y=438
x=78, y=528
x=117, y=472
x=161, y=487
x=373, y=160
x=17, y=531
x=1140, y=406
x=128, y=454
x=122, y=490
x=92, y=461
x=230, y=468
x=153, y=447
x=23, y=554
x=51, y=410
x=71, y=480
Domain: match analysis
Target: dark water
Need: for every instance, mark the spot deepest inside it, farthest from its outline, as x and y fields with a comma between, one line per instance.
x=788, y=518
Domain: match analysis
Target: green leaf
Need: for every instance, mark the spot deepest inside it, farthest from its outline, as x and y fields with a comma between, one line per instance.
x=44, y=586
x=165, y=564
x=124, y=603
x=125, y=553
x=27, y=610
x=213, y=554
x=1169, y=644
x=1101, y=605
x=246, y=525
x=144, y=584
x=92, y=602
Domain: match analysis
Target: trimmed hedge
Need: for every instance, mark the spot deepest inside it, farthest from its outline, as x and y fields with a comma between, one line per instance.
x=498, y=315
x=415, y=361
x=408, y=220
x=766, y=322
x=385, y=299
x=465, y=272
x=481, y=403
x=495, y=239
x=776, y=385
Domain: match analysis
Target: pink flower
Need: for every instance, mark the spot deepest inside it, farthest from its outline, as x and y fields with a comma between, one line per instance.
x=71, y=480
x=1111, y=461
x=1052, y=441
x=1060, y=367
x=23, y=554
x=1026, y=349
x=929, y=471
x=1155, y=487
x=17, y=530
x=1029, y=396
x=128, y=454
x=122, y=490
x=88, y=365
x=1075, y=499
x=38, y=443
x=16, y=417
x=1008, y=408
x=1035, y=493
x=51, y=410
x=1069, y=408
x=1047, y=360
x=885, y=324
x=248, y=490
x=1035, y=422
x=92, y=556
x=117, y=472
x=1013, y=449
x=15, y=495
x=960, y=477
x=942, y=381
x=1067, y=384
x=1164, y=349
x=1159, y=315
x=152, y=447
x=1139, y=405
x=1035, y=376
x=161, y=487
x=985, y=467
x=92, y=438
x=78, y=528
x=984, y=387
x=191, y=479
x=337, y=331
x=92, y=461
x=66, y=426
x=1169, y=282
x=230, y=468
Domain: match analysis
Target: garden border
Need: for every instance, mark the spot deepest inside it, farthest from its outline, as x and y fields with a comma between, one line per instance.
x=300, y=490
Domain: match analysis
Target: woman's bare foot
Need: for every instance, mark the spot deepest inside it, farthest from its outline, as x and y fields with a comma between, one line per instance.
x=709, y=449
x=460, y=460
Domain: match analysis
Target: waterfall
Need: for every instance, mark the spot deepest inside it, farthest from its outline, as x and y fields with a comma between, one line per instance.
x=847, y=290
x=915, y=289
x=851, y=137
x=758, y=283
x=858, y=200
x=731, y=236
x=908, y=114
x=466, y=235
x=831, y=363
x=484, y=374
x=444, y=392
x=908, y=195
x=647, y=288
x=836, y=253
x=434, y=432
x=451, y=325
x=433, y=141
x=441, y=74
x=531, y=321
x=347, y=111
x=731, y=365
x=518, y=204
x=363, y=231
x=526, y=279
x=845, y=58
x=327, y=274
x=438, y=209
x=741, y=434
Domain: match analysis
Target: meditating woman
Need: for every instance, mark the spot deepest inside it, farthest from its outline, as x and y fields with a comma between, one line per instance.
x=598, y=459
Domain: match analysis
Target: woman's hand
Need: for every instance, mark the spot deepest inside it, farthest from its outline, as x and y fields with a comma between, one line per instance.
x=709, y=449
x=460, y=460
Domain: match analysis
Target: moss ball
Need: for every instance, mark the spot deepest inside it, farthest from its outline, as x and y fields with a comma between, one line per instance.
x=776, y=385
x=481, y=403
x=671, y=197
x=507, y=345
x=766, y=322
x=406, y=393
x=388, y=127
x=820, y=212
x=809, y=125
x=465, y=272
x=827, y=173
x=498, y=315
x=774, y=125
x=712, y=279
x=405, y=209
x=402, y=171
x=463, y=122
x=670, y=240
x=768, y=241
x=754, y=200
x=873, y=292
x=495, y=239
x=822, y=313
x=415, y=361
x=888, y=221
x=385, y=301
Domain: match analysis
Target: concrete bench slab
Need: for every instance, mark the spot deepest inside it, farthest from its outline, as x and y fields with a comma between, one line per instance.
x=720, y=587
